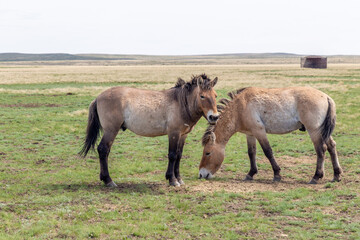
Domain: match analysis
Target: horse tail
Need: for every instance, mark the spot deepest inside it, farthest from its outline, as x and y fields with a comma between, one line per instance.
x=327, y=127
x=92, y=130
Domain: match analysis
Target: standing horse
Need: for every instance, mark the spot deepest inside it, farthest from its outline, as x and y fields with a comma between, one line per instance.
x=173, y=112
x=258, y=111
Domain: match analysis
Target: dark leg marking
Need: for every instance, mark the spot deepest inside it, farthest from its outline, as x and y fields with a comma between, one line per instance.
x=178, y=158
x=264, y=143
x=173, y=150
x=320, y=149
x=331, y=146
x=251, y=143
x=104, y=150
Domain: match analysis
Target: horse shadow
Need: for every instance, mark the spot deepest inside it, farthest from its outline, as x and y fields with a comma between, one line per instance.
x=125, y=188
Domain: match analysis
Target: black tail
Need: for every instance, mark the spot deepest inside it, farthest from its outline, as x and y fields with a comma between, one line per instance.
x=327, y=127
x=92, y=130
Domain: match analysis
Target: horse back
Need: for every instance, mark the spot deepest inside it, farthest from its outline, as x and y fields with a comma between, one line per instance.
x=144, y=112
x=283, y=110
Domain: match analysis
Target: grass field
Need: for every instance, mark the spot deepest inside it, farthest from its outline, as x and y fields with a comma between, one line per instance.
x=48, y=192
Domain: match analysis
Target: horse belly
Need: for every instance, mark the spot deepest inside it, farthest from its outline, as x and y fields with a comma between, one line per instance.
x=281, y=122
x=145, y=123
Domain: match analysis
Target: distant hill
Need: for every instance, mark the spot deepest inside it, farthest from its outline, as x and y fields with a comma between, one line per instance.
x=50, y=57
x=127, y=59
x=225, y=55
x=65, y=56
x=38, y=57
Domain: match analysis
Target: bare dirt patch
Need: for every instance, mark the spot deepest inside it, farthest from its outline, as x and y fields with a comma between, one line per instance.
x=239, y=186
x=296, y=173
x=292, y=161
x=292, y=177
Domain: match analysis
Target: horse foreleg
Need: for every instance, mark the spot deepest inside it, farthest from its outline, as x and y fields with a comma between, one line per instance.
x=265, y=145
x=104, y=150
x=251, y=143
x=174, y=139
x=331, y=145
x=178, y=158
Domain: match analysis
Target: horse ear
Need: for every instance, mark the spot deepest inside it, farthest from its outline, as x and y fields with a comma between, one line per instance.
x=213, y=83
x=199, y=81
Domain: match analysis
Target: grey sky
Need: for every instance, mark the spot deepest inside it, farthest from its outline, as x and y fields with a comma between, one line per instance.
x=180, y=27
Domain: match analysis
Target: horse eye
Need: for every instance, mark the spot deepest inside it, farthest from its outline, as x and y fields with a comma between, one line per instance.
x=207, y=154
x=202, y=97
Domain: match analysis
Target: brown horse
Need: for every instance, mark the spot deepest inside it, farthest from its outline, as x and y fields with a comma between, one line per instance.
x=173, y=112
x=258, y=111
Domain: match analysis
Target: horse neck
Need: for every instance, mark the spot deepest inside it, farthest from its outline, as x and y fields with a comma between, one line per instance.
x=226, y=125
x=190, y=110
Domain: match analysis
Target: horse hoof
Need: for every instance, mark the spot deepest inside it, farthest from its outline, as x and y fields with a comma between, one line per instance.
x=277, y=179
x=181, y=182
x=174, y=183
x=336, y=180
x=111, y=184
x=313, y=181
x=248, y=178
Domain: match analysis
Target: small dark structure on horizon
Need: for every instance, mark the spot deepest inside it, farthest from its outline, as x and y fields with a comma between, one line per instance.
x=314, y=62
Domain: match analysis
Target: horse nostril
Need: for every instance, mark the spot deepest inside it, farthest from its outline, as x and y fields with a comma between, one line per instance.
x=207, y=175
x=200, y=176
x=213, y=118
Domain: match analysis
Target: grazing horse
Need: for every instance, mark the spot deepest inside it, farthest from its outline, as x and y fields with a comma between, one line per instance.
x=258, y=111
x=173, y=112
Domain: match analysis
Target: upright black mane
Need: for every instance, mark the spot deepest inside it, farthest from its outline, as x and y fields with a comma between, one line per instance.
x=225, y=101
x=203, y=81
x=183, y=89
x=208, y=135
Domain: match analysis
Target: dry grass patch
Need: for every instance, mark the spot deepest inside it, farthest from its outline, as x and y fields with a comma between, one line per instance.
x=164, y=76
x=95, y=90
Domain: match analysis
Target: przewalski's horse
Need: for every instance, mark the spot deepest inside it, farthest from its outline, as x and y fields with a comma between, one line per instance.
x=173, y=112
x=258, y=111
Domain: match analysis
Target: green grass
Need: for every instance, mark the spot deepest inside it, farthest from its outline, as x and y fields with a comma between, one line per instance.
x=43, y=86
x=47, y=191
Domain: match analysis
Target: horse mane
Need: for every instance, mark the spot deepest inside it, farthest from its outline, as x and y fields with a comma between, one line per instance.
x=179, y=83
x=209, y=132
x=226, y=101
x=182, y=90
x=202, y=80
x=208, y=135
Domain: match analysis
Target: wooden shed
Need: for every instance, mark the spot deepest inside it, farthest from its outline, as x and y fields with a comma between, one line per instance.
x=314, y=62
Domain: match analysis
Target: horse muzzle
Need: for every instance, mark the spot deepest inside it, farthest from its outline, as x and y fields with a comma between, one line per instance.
x=204, y=173
x=212, y=118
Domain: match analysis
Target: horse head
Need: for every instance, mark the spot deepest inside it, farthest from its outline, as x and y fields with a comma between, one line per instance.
x=213, y=154
x=206, y=97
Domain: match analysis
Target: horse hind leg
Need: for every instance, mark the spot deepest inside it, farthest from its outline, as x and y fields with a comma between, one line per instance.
x=320, y=148
x=331, y=146
x=104, y=150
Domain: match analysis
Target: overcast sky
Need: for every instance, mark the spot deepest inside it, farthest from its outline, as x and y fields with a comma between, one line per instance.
x=180, y=27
